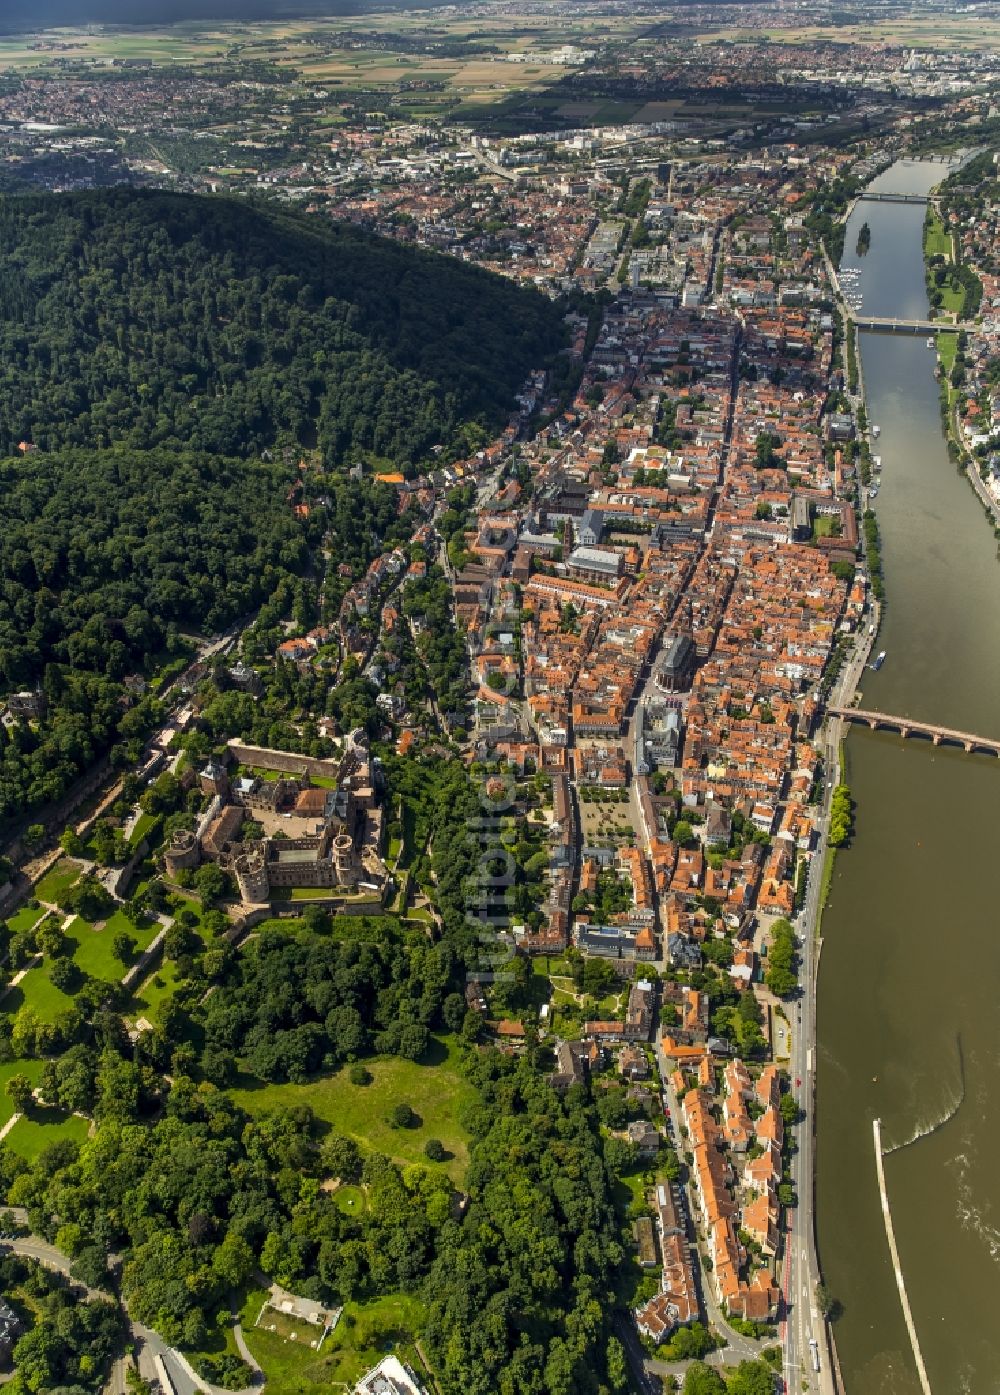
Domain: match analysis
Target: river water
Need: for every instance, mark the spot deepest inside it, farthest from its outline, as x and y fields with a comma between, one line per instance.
x=909, y=1027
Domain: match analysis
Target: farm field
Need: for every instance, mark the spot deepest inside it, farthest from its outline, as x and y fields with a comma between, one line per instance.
x=937, y=31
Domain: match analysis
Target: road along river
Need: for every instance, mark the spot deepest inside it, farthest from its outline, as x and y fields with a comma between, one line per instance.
x=909, y=991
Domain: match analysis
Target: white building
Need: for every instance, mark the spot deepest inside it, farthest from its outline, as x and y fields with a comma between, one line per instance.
x=389, y=1377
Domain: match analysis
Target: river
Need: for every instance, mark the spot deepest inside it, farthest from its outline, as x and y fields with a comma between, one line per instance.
x=909, y=1028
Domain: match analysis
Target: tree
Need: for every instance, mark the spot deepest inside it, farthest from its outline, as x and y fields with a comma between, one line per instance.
x=34, y=834
x=690, y=1343
x=341, y=1158
x=617, y=1365
x=435, y=1150
x=123, y=947
x=683, y=833
x=360, y=1074
x=20, y=1092
x=71, y=843
x=703, y=1380
x=790, y=1111
x=782, y=959
x=752, y=1378
x=829, y=1307
x=210, y=881
x=402, y=1117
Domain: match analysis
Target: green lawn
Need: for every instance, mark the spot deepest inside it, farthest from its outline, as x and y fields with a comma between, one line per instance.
x=365, y=1333
x=947, y=347
x=58, y=880
x=155, y=992
x=25, y=918
x=31, y=1134
x=436, y=1091
x=94, y=954
x=825, y=526
x=37, y=991
x=937, y=242
x=32, y=1069
x=952, y=299
x=351, y=1200
x=145, y=825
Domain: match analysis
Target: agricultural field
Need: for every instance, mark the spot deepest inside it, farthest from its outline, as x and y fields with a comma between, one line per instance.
x=362, y=1112
x=942, y=31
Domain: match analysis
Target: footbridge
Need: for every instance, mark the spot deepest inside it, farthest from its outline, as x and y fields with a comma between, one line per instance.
x=907, y=726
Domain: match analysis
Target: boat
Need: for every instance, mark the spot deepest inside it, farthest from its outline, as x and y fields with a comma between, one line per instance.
x=877, y=461
x=876, y=432
x=873, y=492
x=930, y=342
x=879, y=660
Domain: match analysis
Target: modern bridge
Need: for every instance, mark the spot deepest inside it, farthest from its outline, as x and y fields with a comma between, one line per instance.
x=909, y=726
x=883, y=325
x=894, y=198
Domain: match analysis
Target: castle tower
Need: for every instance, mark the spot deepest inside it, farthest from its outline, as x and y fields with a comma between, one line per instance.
x=184, y=851
x=343, y=858
x=250, y=869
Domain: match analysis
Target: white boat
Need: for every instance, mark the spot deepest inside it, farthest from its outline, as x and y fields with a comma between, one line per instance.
x=930, y=342
x=876, y=432
x=877, y=461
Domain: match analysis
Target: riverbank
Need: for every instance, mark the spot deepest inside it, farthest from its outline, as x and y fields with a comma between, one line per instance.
x=950, y=354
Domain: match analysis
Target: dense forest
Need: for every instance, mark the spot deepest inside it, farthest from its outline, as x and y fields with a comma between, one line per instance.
x=520, y=1291
x=153, y=348
x=196, y=1196
x=104, y=557
x=152, y=319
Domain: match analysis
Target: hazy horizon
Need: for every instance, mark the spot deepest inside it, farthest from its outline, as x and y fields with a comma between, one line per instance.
x=45, y=14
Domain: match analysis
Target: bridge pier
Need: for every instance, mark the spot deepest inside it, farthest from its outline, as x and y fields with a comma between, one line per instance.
x=909, y=726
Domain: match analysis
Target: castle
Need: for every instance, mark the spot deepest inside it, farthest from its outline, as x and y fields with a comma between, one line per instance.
x=328, y=834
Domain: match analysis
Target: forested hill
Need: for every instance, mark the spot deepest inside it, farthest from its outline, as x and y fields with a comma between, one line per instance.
x=156, y=319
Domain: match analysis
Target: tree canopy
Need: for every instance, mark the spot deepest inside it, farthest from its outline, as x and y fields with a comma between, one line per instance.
x=149, y=318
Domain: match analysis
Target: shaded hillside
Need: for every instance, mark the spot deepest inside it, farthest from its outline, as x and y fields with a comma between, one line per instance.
x=156, y=319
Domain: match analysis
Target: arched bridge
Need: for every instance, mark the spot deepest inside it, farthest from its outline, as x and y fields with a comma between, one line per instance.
x=908, y=726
